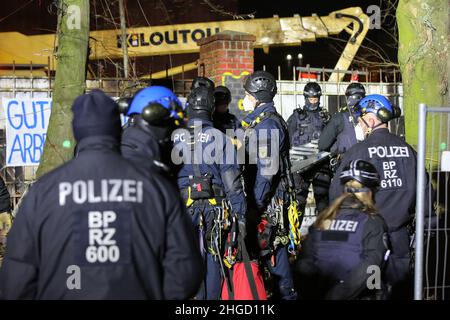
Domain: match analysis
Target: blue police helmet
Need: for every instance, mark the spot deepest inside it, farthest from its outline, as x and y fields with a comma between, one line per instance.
x=156, y=95
x=378, y=105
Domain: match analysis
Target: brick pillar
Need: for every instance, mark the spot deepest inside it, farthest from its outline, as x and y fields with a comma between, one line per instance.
x=227, y=57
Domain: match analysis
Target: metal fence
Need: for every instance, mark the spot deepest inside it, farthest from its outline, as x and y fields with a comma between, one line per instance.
x=289, y=97
x=20, y=86
x=17, y=178
x=432, y=268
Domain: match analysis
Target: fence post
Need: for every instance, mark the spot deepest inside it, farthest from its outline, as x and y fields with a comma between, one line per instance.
x=420, y=203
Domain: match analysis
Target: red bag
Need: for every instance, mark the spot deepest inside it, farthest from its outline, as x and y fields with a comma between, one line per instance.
x=241, y=284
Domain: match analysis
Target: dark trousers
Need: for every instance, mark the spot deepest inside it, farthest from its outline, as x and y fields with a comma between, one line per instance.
x=281, y=271
x=398, y=273
x=320, y=178
x=211, y=286
x=283, y=274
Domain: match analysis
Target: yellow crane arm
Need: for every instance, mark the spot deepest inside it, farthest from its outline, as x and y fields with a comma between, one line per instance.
x=360, y=26
x=182, y=38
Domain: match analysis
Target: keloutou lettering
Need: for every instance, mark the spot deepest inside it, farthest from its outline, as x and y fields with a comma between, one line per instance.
x=172, y=37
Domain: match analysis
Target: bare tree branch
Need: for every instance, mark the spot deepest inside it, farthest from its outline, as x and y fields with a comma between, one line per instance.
x=220, y=10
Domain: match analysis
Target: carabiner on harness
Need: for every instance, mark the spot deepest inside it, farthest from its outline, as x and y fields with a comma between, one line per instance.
x=294, y=224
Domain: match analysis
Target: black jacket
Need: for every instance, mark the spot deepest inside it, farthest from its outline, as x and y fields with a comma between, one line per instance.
x=225, y=121
x=396, y=163
x=126, y=232
x=143, y=151
x=338, y=136
x=266, y=163
x=305, y=126
x=222, y=168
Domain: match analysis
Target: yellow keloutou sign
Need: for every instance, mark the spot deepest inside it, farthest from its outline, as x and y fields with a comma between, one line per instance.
x=163, y=38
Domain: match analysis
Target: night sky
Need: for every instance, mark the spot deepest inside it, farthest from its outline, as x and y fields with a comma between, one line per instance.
x=321, y=53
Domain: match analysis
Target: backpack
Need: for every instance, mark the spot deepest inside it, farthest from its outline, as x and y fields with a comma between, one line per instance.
x=245, y=281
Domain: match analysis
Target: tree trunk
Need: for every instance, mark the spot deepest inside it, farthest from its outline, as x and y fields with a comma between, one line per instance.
x=123, y=29
x=70, y=82
x=423, y=27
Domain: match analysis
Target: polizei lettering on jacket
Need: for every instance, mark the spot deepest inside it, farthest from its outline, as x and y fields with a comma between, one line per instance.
x=388, y=152
x=343, y=225
x=166, y=37
x=108, y=190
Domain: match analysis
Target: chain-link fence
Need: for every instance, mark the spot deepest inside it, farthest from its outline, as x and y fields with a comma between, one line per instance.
x=432, y=267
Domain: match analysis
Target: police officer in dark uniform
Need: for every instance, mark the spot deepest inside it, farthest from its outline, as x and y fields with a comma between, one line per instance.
x=146, y=141
x=305, y=125
x=210, y=184
x=266, y=176
x=202, y=82
x=340, y=134
x=395, y=160
x=222, y=118
x=94, y=228
x=348, y=241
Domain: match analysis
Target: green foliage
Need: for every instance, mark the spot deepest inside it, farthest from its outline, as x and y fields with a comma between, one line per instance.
x=423, y=27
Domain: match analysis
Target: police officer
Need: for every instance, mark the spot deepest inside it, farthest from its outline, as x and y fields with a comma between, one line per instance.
x=266, y=175
x=210, y=182
x=94, y=228
x=222, y=118
x=395, y=160
x=305, y=125
x=202, y=82
x=340, y=134
x=146, y=141
x=347, y=239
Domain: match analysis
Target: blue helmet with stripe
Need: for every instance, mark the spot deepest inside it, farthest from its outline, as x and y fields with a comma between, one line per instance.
x=156, y=103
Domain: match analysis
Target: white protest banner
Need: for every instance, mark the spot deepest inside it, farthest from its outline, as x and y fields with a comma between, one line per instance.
x=26, y=128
